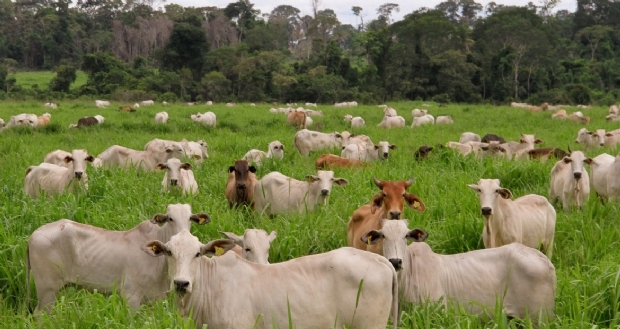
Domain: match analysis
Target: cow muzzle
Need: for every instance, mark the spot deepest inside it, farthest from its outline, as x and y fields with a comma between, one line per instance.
x=324, y=192
x=180, y=286
x=78, y=175
x=174, y=182
x=241, y=186
x=386, y=155
x=602, y=144
x=486, y=211
x=397, y=263
x=395, y=214
x=577, y=175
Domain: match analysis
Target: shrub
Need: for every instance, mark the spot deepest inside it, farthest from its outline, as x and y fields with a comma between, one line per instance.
x=579, y=94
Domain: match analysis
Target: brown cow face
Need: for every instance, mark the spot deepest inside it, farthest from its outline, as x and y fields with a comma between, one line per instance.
x=241, y=170
x=393, y=196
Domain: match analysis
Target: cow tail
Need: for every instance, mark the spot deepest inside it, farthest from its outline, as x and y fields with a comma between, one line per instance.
x=28, y=300
x=395, y=306
x=303, y=125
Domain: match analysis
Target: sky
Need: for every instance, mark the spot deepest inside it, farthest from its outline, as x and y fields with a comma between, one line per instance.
x=343, y=7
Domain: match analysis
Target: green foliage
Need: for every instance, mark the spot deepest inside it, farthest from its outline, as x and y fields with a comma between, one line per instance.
x=579, y=94
x=186, y=48
x=65, y=76
x=215, y=87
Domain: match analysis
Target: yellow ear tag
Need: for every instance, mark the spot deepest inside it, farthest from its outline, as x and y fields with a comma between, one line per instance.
x=202, y=220
x=416, y=204
x=369, y=240
x=219, y=251
x=154, y=248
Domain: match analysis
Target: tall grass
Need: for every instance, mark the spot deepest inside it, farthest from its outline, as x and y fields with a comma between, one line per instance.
x=586, y=241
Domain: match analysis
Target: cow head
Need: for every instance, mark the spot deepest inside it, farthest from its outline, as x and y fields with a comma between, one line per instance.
x=241, y=170
x=79, y=158
x=179, y=217
x=255, y=244
x=384, y=149
x=582, y=135
x=529, y=140
x=392, y=198
x=174, y=151
x=576, y=160
x=324, y=181
x=490, y=192
x=598, y=137
x=395, y=234
x=276, y=149
x=184, y=254
x=423, y=151
x=174, y=166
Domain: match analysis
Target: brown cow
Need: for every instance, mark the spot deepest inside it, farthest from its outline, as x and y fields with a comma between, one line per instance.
x=297, y=119
x=422, y=152
x=126, y=108
x=333, y=161
x=389, y=203
x=240, y=184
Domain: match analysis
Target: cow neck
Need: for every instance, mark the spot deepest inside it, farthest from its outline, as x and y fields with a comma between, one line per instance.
x=416, y=282
x=496, y=224
x=313, y=196
x=199, y=300
x=165, y=232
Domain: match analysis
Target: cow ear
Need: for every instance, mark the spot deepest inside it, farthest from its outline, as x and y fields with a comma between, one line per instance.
x=68, y=159
x=538, y=141
x=484, y=148
x=155, y=248
x=376, y=202
x=311, y=178
x=159, y=219
x=609, y=134
x=505, y=193
x=474, y=187
x=371, y=237
x=588, y=161
x=200, y=218
x=521, y=141
x=252, y=169
x=567, y=160
x=417, y=235
x=232, y=236
x=340, y=181
x=168, y=150
x=90, y=158
x=414, y=202
x=231, y=168
x=186, y=166
x=337, y=135
x=162, y=166
x=376, y=147
x=217, y=247
x=392, y=147
x=272, y=236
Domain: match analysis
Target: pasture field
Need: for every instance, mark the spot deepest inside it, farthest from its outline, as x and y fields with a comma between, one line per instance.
x=586, y=249
x=27, y=78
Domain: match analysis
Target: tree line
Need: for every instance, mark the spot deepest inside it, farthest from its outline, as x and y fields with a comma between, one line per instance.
x=458, y=51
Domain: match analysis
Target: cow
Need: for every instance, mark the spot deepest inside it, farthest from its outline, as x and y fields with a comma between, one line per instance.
x=240, y=184
x=418, y=113
x=117, y=155
x=24, y=119
x=209, y=103
x=422, y=152
x=379, y=151
x=391, y=122
x=44, y=119
x=605, y=169
x=126, y=108
x=541, y=153
x=327, y=161
x=529, y=220
x=519, y=279
x=147, y=103
x=311, y=104
x=230, y=104
x=277, y=194
x=494, y=148
x=559, y=114
x=492, y=137
x=309, y=121
x=588, y=139
x=178, y=175
x=253, y=246
x=444, y=120
x=388, y=203
x=102, y=104
x=570, y=182
x=612, y=138
x=136, y=106
x=346, y=138
x=58, y=158
x=613, y=109
x=469, y=137
x=306, y=141
x=356, y=122
x=359, y=291
x=275, y=149
x=467, y=147
x=612, y=118
x=196, y=150
x=313, y=113
x=389, y=112
x=1, y=123
x=423, y=120
x=99, y=118
x=65, y=253
x=50, y=105
x=85, y=122
x=207, y=118
x=579, y=118
x=53, y=179
x=161, y=117
x=527, y=142
x=297, y=119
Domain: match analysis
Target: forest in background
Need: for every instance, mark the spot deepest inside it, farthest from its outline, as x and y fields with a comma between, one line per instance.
x=458, y=51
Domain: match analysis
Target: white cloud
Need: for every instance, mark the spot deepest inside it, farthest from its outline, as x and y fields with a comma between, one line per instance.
x=343, y=7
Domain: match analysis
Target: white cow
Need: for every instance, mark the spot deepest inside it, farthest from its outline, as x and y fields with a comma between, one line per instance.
x=569, y=181
x=68, y=253
x=389, y=112
x=311, y=104
x=423, y=120
x=56, y=179
x=527, y=142
x=230, y=104
x=529, y=220
x=58, y=158
x=51, y=105
x=391, y=122
x=356, y=122
x=196, y=150
x=418, y=113
x=178, y=175
x=275, y=149
x=99, y=118
x=313, y=113
x=467, y=147
x=117, y=155
x=309, y=121
x=207, y=118
x=161, y=117
x=254, y=244
x=613, y=109
x=276, y=193
x=519, y=279
x=102, y=104
x=588, y=140
x=605, y=173
x=444, y=120
x=469, y=137
x=379, y=151
x=136, y=106
x=209, y=103
x=306, y=141
x=359, y=291
x=24, y=119
x=147, y=103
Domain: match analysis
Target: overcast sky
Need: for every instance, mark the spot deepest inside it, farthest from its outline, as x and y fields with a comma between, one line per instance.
x=343, y=7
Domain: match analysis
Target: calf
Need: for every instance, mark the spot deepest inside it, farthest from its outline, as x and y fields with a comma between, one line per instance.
x=445, y=120
x=117, y=155
x=44, y=119
x=56, y=179
x=467, y=147
x=492, y=137
x=277, y=194
x=569, y=181
x=161, y=117
x=253, y=245
x=297, y=119
x=379, y=151
x=178, y=175
x=422, y=152
x=423, y=120
x=519, y=279
x=306, y=141
x=559, y=114
x=208, y=288
x=66, y=253
x=240, y=184
x=85, y=122
x=275, y=149
x=327, y=161
x=392, y=122
x=529, y=220
x=527, y=142
x=469, y=137
x=542, y=153
x=389, y=203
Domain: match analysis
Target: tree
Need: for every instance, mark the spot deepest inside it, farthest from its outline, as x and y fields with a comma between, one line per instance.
x=65, y=76
x=386, y=9
x=215, y=86
x=186, y=47
x=594, y=35
x=245, y=14
x=357, y=11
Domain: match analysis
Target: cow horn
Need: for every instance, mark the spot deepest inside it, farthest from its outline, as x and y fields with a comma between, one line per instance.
x=377, y=182
x=569, y=151
x=410, y=182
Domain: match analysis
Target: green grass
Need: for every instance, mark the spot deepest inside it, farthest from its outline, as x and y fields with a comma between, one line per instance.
x=27, y=78
x=586, y=249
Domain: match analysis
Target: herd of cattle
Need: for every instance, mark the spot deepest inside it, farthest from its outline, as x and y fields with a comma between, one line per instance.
x=378, y=260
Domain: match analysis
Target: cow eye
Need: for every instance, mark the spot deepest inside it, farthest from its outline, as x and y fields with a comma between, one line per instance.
x=197, y=254
x=248, y=249
x=497, y=191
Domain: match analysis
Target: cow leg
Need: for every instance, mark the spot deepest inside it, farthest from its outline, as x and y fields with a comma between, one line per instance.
x=600, y=197
x=46, y=297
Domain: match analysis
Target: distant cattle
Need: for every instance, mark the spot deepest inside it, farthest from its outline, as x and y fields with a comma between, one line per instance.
x=178, y=175
x=379, y=151
x=469, y=137
x=328, y=161
x=275, y=149
x=126, y=108
x=50, y=105
x=389, y=112
x=526, y=142
x=85, y=122
x=422, y=152
x=356, y=122
x=117, y=155
x=297, y=119
x=492, y=137
x=240, y=184
x=53, y=179
x=147, y=103
x=306, y=141
x=559, y=114
x=423, y=120
x=161, y=117
x=253, y=245
x=444, y=120
x=392, y=122
x=102, y=104
x=209, y=103
x=44, y=119
x=418, y=113
x=207, y=118
x=311, y=104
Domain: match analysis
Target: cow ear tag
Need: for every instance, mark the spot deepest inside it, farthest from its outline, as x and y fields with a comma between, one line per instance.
x=369, y=240
x=416, y=204
x=201, y=221
x=219, y=251
x=154, y=247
